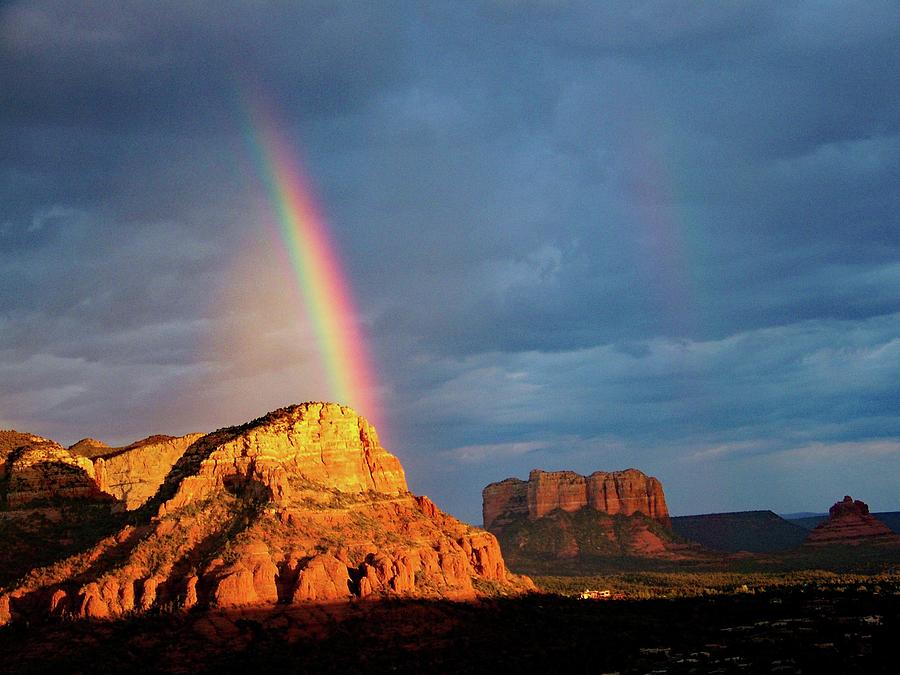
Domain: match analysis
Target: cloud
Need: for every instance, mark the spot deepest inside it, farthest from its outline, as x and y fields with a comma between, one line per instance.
x=579, y=233
x=181, y=65
x=670, y=406
x=479, y=453
x=724, y=450
x=856, y=450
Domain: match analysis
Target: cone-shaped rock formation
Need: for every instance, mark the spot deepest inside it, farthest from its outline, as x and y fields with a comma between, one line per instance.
x=849, y=522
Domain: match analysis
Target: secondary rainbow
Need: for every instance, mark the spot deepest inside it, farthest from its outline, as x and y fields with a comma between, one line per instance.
x=302, y=234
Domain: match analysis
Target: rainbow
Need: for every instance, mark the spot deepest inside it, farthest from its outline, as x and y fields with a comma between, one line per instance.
x=302, y=233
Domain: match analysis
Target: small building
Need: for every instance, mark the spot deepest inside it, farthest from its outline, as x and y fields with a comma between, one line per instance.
x=588, y=594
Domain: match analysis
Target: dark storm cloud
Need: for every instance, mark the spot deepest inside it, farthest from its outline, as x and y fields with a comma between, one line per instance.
x=180, y=64
x=673, y=408
x=742, y=182
x=584, y=235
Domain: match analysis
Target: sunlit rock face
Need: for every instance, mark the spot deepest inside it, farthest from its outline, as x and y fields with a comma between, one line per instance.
x=849, y=522
x=614, y=493
x=322, y=443
x=35, y=471
x=564, y=516
x=134, y=473
x=301, y=505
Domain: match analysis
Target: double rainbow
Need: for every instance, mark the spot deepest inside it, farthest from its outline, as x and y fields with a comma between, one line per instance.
x=315, y=267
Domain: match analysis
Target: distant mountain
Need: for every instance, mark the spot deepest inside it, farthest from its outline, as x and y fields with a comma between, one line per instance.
x=801, y=515
x=808, y=522
x=754, y=531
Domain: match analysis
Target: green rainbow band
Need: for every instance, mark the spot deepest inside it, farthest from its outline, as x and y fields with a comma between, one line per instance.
x=315, y=267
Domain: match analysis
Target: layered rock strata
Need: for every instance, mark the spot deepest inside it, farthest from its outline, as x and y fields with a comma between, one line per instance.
x=322, y=443
x=614, y=493
x=134, y=473
x=849, y=522
x=37, y=471
x=41, y=470
x=302, y=505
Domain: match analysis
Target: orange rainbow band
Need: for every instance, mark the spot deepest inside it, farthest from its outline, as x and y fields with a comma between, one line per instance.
x=316, y=268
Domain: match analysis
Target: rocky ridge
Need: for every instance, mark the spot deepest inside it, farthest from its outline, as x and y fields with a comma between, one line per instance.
x=90, y=448
x=302, y=505
x=849, y=522
x=134, y=473
x=38, y=470
x=614, y=493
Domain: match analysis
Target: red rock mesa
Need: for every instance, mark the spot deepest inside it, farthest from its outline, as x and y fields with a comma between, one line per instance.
x=561, y=515
x=615, y=493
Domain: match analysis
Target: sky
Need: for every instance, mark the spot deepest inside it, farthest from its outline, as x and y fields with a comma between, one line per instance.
x=579, y=235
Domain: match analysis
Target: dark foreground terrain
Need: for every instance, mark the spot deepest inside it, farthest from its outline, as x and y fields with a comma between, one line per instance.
x=821, y=625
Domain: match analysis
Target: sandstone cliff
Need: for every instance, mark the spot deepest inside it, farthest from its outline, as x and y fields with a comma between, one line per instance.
x=41, y=470
x=849, y=522
x=615, y=493
x=320, y=443
x=562, y=518
x=11, y=441
x=37, y=471
x=133, y=474
x=302, y=505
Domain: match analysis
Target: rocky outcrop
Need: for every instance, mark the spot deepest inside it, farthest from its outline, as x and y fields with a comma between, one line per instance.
x=503, y=503
x=43, y=471
x=10, y=441
x=90, y=448
x=849, y=522
x=558, y=516
x=302, y=505
x=134, y=473
x=324, y=444
x=37, y=470
x=614, y=493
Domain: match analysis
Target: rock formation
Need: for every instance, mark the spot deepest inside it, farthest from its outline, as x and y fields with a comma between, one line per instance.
x=559, y=516
x=10, y=441
x=849, y=522
x=322, y=444
x=34, y=470
x=134, y=473
x=41, y=470
x=615, y=493
x=302, y=505
x=90, y=448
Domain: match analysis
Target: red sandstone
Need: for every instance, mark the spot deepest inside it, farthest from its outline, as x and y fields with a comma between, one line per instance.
x=302, y=505
x=616, y=493
x=849, y=522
